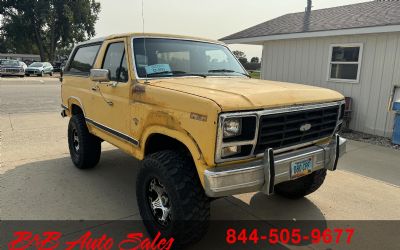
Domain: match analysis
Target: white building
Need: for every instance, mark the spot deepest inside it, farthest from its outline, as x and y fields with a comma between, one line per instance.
x=21, y=57
x=354, y=49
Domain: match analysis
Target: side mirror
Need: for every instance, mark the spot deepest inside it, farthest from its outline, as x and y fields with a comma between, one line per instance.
x=100, y=75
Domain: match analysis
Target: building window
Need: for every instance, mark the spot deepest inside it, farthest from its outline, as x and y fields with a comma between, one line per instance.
x=345, y=62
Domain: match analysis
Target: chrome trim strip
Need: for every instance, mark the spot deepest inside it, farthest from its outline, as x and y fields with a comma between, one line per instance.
x=220, y=144
x=113, y=132
x=233, y=171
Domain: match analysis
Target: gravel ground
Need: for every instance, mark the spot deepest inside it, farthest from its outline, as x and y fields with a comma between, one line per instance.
x=373, y=139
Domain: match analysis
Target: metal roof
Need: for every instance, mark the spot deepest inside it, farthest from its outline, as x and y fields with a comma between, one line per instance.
x=362, y=15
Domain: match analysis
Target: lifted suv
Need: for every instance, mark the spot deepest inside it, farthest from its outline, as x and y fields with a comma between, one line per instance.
x=200, y=125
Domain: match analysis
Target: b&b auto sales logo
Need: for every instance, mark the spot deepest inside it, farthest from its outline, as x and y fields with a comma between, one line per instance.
x=52, y=241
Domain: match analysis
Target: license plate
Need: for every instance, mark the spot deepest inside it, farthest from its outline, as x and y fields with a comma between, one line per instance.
x=301, y=167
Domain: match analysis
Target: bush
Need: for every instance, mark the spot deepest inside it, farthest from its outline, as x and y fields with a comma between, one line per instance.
x=252, y=66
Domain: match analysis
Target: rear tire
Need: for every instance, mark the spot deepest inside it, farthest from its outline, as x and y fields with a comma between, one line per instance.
x=301, y=187
x=84, y=148
x=171, y=177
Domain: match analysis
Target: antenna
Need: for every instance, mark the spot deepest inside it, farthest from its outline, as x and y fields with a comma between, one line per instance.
x=144, y=40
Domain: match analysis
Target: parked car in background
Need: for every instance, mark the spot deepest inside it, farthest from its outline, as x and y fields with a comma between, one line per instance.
x=39, y=69
x=12, y=68
x=58, y=66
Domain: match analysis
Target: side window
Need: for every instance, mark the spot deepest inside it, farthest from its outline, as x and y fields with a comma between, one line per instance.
x=115, y=61
x=83, y=59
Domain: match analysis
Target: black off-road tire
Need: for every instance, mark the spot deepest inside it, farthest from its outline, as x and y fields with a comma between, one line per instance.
x=190, y=207
x=301, y=187
x=87, y=155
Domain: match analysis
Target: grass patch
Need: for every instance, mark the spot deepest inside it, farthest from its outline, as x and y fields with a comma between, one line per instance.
x=255, y=74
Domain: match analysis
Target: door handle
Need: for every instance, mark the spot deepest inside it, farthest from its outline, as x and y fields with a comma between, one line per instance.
x=94, y=88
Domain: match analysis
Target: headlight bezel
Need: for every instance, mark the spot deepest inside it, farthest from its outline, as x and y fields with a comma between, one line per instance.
x=246, y=138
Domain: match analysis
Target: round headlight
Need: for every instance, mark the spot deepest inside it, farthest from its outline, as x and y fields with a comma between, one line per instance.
x=232, y=127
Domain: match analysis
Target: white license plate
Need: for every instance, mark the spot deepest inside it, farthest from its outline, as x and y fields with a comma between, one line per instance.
x=301, y=167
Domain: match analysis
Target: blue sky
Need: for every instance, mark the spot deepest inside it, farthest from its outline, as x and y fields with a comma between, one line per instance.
x=204, y=18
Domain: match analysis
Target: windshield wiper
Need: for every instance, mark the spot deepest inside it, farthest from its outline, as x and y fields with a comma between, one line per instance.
x=176, y=72
x=228, y=71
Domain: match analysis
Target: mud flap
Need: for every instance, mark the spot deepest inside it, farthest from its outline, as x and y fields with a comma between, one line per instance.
x=269, y=172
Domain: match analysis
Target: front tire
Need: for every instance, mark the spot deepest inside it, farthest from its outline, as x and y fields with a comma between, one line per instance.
x=301, y=187
x=84, y=148
x=171, y=198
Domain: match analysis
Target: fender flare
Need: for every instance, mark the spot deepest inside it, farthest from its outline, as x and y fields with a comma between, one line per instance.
x=182, y=136
x=73, y=100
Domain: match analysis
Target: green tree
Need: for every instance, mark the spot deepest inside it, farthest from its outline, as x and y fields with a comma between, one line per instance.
x=239, y=54
x=45, y=26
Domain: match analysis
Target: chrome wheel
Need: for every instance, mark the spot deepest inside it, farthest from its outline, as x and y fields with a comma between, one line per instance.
x=75, y=140
x=159, y=202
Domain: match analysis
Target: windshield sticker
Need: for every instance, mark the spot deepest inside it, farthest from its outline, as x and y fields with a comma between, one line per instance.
x=157, y=68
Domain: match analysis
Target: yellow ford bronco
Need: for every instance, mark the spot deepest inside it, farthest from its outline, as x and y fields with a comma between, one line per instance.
x=201, y=127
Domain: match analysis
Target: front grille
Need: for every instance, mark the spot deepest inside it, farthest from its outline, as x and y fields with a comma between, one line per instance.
x=282, y=130
x=12, y=70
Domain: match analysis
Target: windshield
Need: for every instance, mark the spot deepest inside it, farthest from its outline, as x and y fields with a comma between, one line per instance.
x=158, y=57
x=36, y=64
x=10, y=63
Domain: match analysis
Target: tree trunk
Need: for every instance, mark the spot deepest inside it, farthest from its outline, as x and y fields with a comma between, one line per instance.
x=39, y=43
x=52, y=44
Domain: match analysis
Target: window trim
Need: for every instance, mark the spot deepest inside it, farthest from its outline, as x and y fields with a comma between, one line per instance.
x=124, y=55
x=359, y=63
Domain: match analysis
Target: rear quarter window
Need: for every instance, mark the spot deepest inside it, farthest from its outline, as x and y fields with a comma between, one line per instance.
x=83, y=59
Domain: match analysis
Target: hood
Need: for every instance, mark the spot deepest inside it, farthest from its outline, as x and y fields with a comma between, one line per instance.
x=235, y=93
x=29, y=67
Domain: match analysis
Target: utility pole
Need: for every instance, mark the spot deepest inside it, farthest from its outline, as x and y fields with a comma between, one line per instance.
x=309, y=6
x=307, y=15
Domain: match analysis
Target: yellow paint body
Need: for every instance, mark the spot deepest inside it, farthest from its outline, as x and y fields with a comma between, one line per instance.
x=165, y=106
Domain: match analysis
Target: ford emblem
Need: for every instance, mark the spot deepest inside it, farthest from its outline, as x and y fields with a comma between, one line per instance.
x=305, y=127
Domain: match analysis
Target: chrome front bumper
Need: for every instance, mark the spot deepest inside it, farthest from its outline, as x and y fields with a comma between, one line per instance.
x=264, y=174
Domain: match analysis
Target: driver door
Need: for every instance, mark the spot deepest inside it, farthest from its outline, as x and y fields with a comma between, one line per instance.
x=110, y=101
